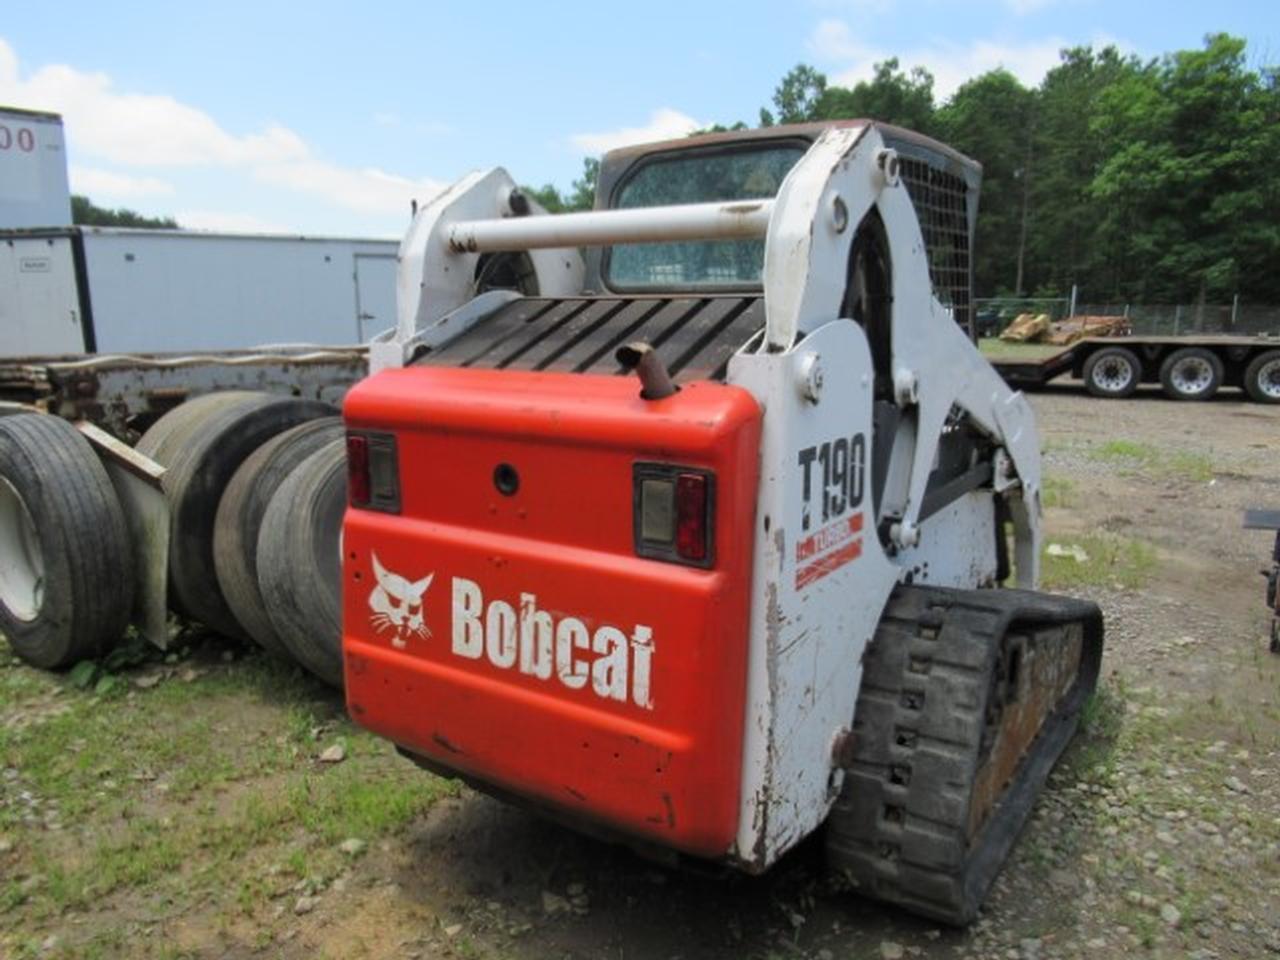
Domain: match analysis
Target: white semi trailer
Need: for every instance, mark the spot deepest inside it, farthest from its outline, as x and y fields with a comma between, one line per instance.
x=71, y=290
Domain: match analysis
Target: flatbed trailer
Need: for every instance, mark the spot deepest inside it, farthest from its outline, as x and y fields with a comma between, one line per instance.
x=126, y=393
x=1186, y=368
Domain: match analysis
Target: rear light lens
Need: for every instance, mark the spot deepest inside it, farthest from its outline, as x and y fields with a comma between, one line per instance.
x=373, y=471
x=358, y=470
x=674, y=509
x=691, y=516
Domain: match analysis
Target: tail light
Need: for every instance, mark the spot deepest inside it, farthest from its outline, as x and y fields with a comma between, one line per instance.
x=674, y=508
x=373, y=472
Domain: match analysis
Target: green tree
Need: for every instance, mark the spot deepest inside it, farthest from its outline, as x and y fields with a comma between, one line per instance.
x=892, y=95
x=796, y=98
x=1188, y=190
x=86, y=213
x=990, y=119
x=582, y=192
x=548, y=196
x=580, y=196
x=1061, y=244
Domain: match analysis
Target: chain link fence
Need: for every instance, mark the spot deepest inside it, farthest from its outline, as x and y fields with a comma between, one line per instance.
x=1150, y=319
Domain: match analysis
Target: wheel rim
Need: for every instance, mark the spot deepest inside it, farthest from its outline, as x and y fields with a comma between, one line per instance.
x=1191, y=375
x=21, y=560
x=1269, y=379
x=1113, y=373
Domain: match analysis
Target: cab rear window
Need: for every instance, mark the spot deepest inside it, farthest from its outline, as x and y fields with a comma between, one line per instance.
x=745, y=173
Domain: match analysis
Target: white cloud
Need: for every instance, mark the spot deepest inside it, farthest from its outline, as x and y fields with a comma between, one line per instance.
x=224, y=222
x=138, y=129
x=664, y=124
x=104, y=184
x=368, y=190
x=950, y=63
x=152, y=131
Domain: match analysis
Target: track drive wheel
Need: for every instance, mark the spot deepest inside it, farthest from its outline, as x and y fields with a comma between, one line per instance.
x=968, y=698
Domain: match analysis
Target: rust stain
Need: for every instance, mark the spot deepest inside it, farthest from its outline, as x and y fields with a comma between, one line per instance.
x=1036, y=672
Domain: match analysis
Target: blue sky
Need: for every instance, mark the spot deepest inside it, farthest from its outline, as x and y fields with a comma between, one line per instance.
x=327, y=118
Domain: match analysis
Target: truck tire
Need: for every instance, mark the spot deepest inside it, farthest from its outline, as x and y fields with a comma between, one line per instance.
x=201, y=449
x=155, y=444
x=1192, y=373
x=1262, y=377
x=300, y=561
x=239, y=519
x=66, y=567
x=1112, y=372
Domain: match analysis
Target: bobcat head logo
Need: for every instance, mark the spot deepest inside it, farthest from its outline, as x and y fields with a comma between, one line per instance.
x=397, y=604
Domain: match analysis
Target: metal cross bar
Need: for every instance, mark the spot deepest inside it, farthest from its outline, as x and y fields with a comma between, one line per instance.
x=734, y=220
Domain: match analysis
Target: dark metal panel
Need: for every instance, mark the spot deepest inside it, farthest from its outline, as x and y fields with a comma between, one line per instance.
x=653, y=328
x=712, y=359
x=597, y=313
x=694, y=336
x=504, y=323
x=683, y=343
x=523, y=336
x=602, y=340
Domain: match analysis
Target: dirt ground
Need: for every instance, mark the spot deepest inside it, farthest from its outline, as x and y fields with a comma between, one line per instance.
x=185, y=810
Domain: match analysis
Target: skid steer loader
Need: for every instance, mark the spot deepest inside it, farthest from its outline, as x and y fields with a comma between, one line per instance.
x=700, y=541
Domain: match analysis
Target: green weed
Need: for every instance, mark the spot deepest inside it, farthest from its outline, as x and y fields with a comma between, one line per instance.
x=1111, y=561
x=1181, y=464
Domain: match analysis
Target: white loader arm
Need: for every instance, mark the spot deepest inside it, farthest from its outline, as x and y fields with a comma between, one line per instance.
x=936, y=367
x=434, y=279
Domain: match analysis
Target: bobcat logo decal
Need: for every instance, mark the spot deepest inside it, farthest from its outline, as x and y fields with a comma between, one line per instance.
x=397, y=604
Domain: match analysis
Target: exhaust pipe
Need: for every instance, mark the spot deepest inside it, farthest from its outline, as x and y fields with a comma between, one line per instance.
x=655, y=381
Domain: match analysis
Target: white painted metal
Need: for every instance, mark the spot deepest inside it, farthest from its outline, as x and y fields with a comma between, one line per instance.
x=39, y=305
x=434, y=281
x=806, y=642
x=803, y=670
x=167, y=290
x=33, y=171
x=693, y=221
x=375, y=280
x=21, y=559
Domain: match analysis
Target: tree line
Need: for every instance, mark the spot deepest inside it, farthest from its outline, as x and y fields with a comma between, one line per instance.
x=85, y=212
x=1153, y=181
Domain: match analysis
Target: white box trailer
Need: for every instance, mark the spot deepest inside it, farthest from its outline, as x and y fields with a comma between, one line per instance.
x=33, y=170
x=115, y=290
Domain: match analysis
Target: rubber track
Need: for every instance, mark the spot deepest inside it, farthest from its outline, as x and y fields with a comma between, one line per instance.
x=898, y=830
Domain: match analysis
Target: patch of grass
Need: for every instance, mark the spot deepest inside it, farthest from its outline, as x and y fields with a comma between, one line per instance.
x=190, y=789
x=1181, y=464
x=1111, y=561
x=1057, y=491
x=993, y=348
